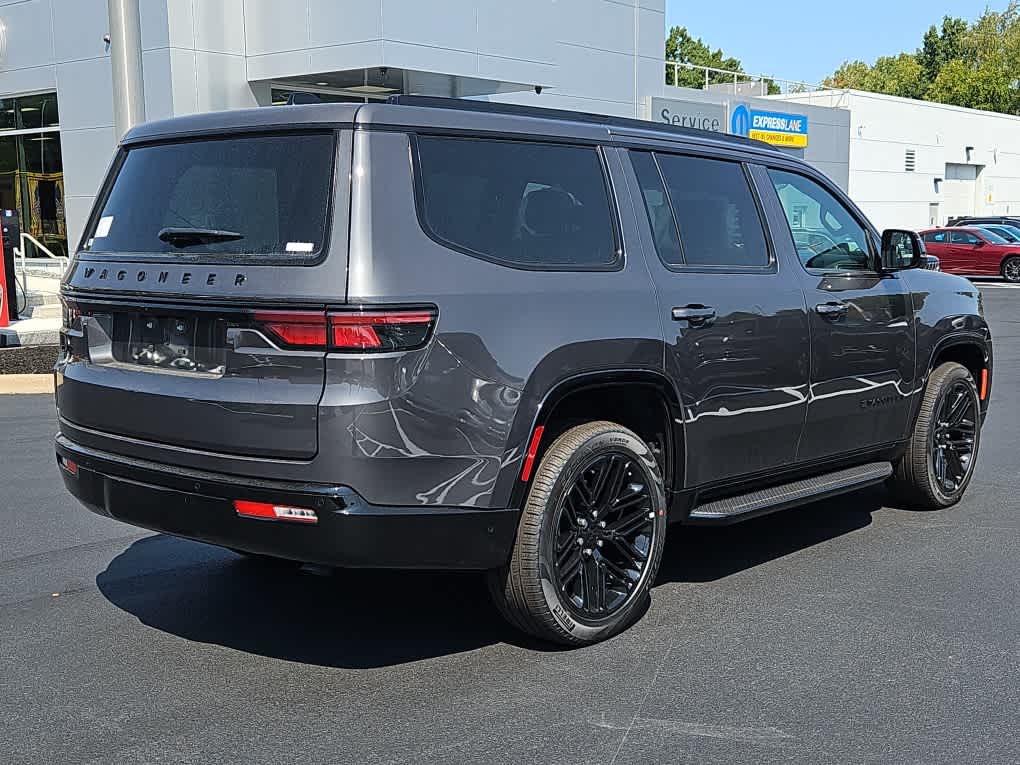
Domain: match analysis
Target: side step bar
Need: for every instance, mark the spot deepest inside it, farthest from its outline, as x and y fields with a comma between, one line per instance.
x=744, y=506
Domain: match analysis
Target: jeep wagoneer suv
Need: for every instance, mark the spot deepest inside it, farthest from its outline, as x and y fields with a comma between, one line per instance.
x=456, y=335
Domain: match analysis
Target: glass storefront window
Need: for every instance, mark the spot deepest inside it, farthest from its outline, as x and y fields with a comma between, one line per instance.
x=31, y=168
x=37, y=111
x=8, y=114
x=29, y=112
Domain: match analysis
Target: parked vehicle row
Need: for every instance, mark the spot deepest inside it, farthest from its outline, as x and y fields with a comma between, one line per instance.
x=986, y=250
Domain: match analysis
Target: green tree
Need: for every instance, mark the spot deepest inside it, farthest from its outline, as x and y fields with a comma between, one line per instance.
x=900, y=75
x=939, y=47
x=682, y=47
x=974, y=64
x=985, y=74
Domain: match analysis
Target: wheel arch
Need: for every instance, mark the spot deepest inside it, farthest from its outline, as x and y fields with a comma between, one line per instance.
x=970, y=351
x=973, y=350
x=644, y=401
x=1005, y=259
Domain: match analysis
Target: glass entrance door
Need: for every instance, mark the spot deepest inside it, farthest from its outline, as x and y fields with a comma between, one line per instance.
x=31, y=168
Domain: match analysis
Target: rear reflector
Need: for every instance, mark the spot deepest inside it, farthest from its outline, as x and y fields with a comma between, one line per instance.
x=984, y=383
x=529, y=459
x=271, y=512
x=69, y=465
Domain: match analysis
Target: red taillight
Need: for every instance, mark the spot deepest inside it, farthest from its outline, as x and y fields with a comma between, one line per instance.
x=298, y=329
x=346, y=336
x=271, y=512
x=396, y=330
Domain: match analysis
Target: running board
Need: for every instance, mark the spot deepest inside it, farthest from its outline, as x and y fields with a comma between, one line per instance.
x=740, y=508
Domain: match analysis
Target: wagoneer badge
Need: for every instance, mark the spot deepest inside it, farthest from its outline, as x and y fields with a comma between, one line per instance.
x=209, y=278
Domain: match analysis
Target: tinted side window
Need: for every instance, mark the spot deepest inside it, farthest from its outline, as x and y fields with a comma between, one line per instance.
x=527, y=204
x=826, y=234
x=964, y=237
x=660, y=216
x=937, y=237
x=715, y=212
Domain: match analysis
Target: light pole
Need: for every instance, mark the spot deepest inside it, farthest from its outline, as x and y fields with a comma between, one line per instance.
x=126, y=61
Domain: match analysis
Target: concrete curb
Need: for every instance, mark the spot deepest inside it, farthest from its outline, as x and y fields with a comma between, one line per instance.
x=15, y=384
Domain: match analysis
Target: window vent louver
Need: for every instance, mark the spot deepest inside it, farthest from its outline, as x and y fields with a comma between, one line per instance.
x=910, y=162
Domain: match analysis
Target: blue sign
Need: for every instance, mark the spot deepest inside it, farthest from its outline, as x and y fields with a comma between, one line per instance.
x=740, y=122
x=776, y=128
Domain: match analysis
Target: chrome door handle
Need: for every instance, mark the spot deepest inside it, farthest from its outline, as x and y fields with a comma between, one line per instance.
x=832, y=310
x=694, y=315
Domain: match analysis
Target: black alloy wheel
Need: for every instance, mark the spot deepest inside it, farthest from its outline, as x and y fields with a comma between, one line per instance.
x=938, y=463
x=590, y=538
x=953, y=437
x=603, y=536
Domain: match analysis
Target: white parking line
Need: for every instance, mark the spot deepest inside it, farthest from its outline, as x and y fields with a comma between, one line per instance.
x=1001, y=285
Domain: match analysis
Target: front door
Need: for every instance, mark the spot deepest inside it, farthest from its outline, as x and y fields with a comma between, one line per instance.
x=964, y=249
x=736, y=329
x=862, y=337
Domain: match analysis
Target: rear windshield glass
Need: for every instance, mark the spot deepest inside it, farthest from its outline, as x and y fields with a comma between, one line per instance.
x=248, y=196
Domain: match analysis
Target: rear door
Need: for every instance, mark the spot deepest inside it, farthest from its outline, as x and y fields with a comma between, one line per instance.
x=862, y=334
x=734, y=322
x=196, y=306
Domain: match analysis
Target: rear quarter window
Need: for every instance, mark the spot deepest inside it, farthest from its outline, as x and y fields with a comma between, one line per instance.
x=240, y=197
x=519, y=203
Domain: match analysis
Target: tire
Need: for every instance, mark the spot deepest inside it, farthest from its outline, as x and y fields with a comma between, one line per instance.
x=1011, y=269
x=581, y=494
x=916, y=481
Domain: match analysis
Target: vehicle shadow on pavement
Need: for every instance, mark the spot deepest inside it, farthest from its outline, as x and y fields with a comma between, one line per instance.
x=367, y=619
x=345, y=618
x=704, y=554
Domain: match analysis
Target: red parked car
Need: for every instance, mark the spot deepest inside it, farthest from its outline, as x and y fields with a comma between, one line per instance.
x=974, y=252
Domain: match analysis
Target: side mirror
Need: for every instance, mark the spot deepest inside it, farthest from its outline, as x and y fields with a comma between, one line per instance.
x=901, y=249
x=980, y=243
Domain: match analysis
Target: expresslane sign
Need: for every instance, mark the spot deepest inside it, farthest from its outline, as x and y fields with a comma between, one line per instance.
x=776, y=128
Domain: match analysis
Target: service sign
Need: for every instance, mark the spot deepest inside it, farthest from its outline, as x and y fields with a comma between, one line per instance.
x=690, y=114
x=776, y=128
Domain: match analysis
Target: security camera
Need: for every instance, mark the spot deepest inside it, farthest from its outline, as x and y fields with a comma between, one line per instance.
x=106, y=39
x=538, y=90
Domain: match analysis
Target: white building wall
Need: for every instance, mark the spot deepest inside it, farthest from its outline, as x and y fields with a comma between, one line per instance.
x=487, y=39
x=57, y=45
x=883, y=128
x=608, y=57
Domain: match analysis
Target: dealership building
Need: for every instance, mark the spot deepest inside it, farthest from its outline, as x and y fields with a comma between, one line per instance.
x=907, y=163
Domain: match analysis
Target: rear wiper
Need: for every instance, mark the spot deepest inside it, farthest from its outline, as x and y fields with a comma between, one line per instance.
x=189, y=237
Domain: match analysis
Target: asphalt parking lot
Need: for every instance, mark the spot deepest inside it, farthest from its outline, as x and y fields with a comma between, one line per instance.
x=847, y=631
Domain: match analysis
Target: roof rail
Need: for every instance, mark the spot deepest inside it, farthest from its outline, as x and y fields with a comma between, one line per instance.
x=541, y=112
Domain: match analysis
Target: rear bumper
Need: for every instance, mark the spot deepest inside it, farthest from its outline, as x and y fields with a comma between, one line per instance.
x=350, y=532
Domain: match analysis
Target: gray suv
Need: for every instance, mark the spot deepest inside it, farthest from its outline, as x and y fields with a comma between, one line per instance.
x=454, y=335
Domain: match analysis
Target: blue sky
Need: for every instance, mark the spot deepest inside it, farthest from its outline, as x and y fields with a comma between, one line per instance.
x=808, y=39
